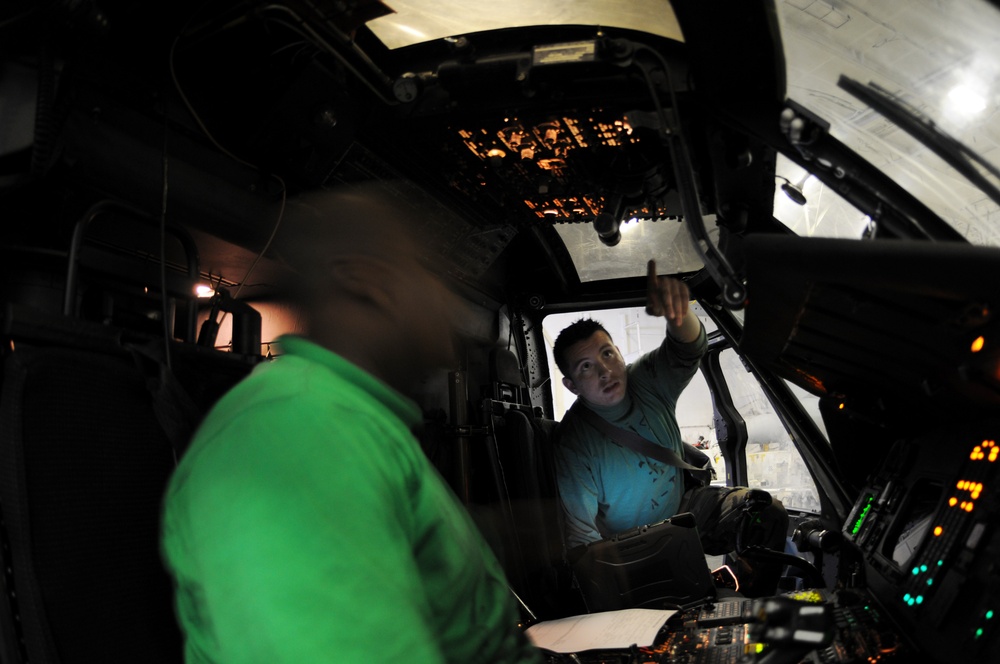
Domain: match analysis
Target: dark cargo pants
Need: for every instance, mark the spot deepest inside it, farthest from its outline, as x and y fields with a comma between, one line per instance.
x=717, y=510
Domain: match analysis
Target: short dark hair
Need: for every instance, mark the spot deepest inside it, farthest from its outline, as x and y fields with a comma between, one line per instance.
x=580, y=330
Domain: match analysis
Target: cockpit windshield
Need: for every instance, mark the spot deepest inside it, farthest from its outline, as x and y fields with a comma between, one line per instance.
x=937, y=57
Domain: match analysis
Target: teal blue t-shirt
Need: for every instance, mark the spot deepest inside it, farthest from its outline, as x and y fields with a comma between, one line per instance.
x=606, y=488
x=305, y=524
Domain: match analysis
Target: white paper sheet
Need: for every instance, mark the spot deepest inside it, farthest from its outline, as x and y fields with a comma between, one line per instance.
x=605, y=630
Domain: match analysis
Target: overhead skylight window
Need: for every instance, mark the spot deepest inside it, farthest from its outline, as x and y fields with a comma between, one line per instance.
x=416, y=21
x=666, y=240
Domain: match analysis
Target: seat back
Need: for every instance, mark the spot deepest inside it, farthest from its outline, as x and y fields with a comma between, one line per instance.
x=83, y=466
x=536, y=517
x=530, y=538
x=506, y=381
x=89, y=435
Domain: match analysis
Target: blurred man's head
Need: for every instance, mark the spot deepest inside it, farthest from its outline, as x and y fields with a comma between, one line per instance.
x=359, y=275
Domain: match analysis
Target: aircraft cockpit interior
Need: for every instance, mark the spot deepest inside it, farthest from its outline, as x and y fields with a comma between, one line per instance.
x=822, y=175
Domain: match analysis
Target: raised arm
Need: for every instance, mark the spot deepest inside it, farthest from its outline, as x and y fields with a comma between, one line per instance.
x=669, y=297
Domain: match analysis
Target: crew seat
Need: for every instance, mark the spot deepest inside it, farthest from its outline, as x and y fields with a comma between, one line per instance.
x=91, y=425
x=519, y=443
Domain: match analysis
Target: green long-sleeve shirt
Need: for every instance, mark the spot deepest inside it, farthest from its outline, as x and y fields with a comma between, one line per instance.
x=305, y=524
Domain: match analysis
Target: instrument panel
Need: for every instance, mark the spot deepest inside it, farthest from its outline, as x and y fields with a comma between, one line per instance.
x=918, y=575
x=926, y=526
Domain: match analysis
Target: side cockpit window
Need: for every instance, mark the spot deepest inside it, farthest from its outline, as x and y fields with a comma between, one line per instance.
x=773, y=461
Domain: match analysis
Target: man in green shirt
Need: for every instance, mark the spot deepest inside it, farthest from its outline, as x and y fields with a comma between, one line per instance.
x=305, y=524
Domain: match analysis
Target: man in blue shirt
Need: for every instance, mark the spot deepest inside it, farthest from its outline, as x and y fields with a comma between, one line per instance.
x=606, y=488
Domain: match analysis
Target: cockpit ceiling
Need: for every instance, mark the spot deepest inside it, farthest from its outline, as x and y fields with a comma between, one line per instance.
x=558, y=167
x=544, y=128
x=509, y=129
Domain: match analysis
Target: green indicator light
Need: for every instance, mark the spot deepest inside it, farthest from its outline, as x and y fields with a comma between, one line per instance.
x=910, y=601
x=923, y=568
x=861, y=517
x=916, y=570
x=920, y=599
x=989, y=614
x=979, y=632
x=940, y=562
x=906, y=597
x=930, y=582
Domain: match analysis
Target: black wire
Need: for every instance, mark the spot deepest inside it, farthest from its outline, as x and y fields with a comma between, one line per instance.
x=510, y=325
x=208, y=134
x=165, y=309
x=733, y=292
x=670, y=87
